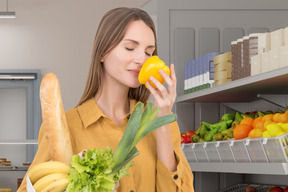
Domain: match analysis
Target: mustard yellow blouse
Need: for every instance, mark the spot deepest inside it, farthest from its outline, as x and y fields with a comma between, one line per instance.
x=90, y=128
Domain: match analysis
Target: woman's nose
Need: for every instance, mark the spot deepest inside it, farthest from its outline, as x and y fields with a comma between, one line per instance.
x=141, y=58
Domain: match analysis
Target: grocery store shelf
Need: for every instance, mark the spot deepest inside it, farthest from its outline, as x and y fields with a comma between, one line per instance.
x=242, y=90
x=18, y=142
x=247, y=168
x=14, y=168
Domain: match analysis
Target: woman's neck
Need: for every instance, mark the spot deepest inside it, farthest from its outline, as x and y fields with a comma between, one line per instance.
x=113, y=102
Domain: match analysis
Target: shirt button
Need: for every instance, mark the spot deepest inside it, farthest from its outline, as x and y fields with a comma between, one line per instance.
x=175, y=177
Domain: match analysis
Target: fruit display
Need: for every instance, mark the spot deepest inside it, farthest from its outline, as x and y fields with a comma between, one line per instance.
x=236, y=126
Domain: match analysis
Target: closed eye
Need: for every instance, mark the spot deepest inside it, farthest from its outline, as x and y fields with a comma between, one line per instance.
x=129, y=49
x=148, y=54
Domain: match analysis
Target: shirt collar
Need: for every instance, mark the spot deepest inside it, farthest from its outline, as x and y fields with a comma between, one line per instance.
x=90, y=112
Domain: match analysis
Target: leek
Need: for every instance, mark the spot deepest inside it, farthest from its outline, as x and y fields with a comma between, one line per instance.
x=139, y=125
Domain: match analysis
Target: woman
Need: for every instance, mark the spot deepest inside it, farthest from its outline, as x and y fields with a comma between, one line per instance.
x=125, y=39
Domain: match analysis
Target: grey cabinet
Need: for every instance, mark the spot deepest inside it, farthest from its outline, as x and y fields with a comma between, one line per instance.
x=188, y=29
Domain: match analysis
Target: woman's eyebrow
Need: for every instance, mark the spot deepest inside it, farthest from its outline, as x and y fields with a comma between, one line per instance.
x=137, y=43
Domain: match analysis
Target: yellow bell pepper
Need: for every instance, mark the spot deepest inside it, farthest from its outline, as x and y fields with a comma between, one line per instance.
x=151, y=67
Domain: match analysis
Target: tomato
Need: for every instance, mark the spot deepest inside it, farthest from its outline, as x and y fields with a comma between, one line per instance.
x=285, y=189
x=182, y=139
x=190, y=133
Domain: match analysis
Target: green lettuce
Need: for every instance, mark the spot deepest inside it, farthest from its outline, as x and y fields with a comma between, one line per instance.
x=93, y=172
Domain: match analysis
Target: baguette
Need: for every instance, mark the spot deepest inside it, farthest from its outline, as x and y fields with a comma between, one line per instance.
x=54, y=120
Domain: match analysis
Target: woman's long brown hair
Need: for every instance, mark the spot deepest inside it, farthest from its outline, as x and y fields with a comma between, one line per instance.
x=111, y=31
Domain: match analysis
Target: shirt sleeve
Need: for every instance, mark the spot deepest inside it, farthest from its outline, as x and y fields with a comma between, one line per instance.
x=180, y=180
x=42, y=155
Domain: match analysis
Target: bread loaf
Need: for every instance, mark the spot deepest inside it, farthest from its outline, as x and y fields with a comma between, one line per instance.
x=54, y=120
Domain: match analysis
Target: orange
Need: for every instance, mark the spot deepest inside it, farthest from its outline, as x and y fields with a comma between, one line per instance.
x=255, y=121
x=275, y=117
x=259, y=125
x=283, y=118
x=247, y=121
x=286, y=112
x=268, y=117
x=256, y=133
x=241, y=131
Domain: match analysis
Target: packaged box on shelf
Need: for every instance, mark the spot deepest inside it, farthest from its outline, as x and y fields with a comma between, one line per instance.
x=265, y=62
x=286, y=36
x=277, y=39
x=284, y=56
x=263, y=43
x=274, y=58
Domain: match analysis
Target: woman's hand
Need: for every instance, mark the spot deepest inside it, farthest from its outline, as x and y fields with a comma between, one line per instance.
x=164, y=98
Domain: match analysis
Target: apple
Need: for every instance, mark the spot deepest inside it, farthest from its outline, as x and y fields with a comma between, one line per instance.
x=250, y=189
x=275, y=189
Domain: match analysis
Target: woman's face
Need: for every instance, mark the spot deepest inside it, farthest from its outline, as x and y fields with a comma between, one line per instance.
x=123, y=63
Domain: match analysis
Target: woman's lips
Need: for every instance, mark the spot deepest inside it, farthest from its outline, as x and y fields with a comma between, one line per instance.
x=134, y=72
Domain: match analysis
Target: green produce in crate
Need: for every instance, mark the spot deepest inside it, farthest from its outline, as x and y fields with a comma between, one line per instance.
x=218, y=137
x=198, y=130
x=203, y=130
x=217, y=125
x=268, y=112
x=238, y=117
x=228, y=116
x=235, y=123
x=228, y=133
x=226, y=138
x=260, y=113
x=210, y=134
x=251, y=115
x=195, y=138
x=223, y=127
x=201, y=140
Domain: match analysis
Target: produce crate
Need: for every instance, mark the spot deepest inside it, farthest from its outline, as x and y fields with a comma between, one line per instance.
x=273, y=150
x=240, y=150
x=276, y=148
x=256, y=150
x=200, y=152
x=212, y=151
x=189, y=152
x=225, y=151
